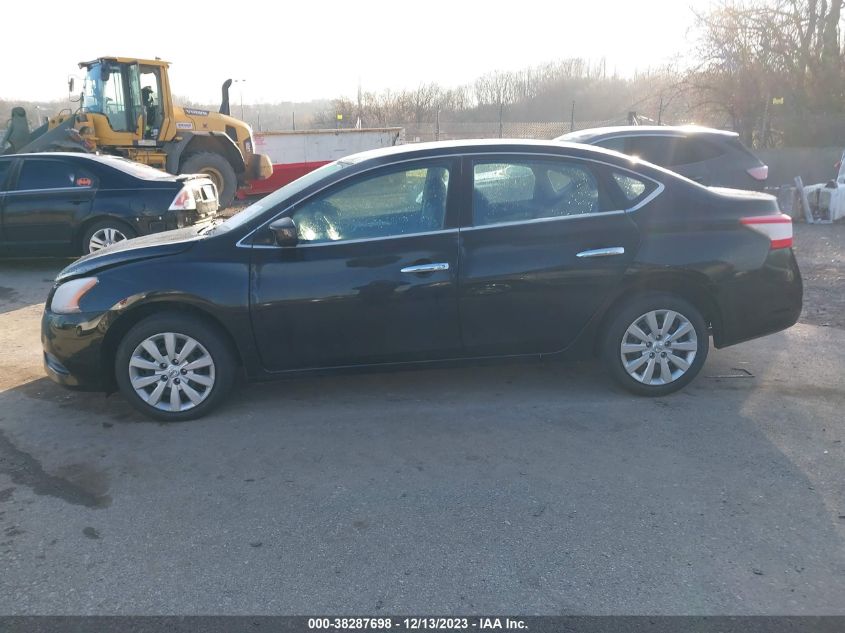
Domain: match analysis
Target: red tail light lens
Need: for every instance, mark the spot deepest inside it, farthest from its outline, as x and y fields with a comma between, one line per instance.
x=778, y=228
x=184, y=201
x=759, y=173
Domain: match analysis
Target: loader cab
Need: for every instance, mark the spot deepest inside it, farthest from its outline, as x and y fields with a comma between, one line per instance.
x=132, y=96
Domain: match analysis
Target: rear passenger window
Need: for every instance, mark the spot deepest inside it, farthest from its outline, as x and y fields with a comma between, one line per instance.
x=52, y=174
x=616, y=144
x=694, y=150
x=653, y=149
x=530, y=190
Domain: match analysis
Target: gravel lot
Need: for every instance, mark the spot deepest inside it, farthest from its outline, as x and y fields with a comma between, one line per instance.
x=524, y=488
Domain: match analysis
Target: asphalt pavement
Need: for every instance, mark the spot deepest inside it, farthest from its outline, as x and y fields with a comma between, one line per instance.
x=532, y=488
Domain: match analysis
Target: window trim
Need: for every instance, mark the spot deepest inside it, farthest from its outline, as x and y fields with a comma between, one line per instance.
x=459, y=157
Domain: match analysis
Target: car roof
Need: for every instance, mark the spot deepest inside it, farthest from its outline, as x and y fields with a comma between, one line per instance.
x=468, y=146
x=645, y=130
x=100, y=158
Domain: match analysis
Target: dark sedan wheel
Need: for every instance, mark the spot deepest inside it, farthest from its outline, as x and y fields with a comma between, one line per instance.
x=174, y=367
x=656, y=344
x=105, y=233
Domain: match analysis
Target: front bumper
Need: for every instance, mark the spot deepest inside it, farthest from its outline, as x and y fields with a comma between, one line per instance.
x=73, y=349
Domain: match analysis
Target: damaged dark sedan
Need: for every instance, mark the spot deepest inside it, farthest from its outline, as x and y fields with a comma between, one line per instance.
x=429, y=254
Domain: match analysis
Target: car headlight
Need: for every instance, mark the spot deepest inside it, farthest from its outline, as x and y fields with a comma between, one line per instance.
x=67, y=296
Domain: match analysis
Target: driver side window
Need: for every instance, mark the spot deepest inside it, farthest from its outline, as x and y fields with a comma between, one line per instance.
x=398, y=202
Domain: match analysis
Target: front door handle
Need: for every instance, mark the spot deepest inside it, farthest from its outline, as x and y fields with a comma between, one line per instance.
x=425, y=268
x=602, y=252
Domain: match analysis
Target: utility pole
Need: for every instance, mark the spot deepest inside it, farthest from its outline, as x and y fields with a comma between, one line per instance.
x=572, y=117
x=437, y=126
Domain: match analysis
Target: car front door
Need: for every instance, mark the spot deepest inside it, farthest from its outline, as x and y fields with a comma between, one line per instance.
x=373, y=278
x=49, y=199
x=545, y=243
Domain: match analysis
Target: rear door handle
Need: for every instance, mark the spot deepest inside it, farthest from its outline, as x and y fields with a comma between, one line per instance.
x=425, y=268
x=602, y=252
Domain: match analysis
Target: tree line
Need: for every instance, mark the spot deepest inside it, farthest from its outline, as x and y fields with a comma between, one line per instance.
x=770, y=69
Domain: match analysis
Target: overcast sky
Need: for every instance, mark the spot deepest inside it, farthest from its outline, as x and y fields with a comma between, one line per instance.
x=297, y=51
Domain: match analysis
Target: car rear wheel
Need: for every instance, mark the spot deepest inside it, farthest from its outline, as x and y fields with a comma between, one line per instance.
x=656, y=344
x=105, y=233
x=174, y=367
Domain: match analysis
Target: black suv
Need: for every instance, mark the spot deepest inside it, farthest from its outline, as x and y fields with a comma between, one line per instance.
x=711, y=157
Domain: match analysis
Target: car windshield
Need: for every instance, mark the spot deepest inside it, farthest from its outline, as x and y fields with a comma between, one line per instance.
x=280, y=195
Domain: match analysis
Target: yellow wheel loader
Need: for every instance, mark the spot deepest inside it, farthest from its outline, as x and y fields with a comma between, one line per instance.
x=126, y=108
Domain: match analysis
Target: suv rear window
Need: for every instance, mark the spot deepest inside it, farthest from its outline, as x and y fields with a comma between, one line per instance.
x=686, y=151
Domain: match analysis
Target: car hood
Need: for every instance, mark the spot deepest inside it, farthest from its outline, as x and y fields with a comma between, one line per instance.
x=147, y=247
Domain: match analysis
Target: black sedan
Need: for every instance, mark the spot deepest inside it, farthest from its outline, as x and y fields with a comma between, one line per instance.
x=431, y=253
x=71, y=204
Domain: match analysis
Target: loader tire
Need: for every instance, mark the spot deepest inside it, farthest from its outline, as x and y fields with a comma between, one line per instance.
x=216, y=167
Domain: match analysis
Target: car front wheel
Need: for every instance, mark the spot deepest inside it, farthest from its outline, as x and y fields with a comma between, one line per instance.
x=656, y=344
x=174, y=367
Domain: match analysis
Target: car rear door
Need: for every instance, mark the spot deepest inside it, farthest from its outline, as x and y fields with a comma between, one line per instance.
x=373, y=278
x=47, y=201
x=545, y=243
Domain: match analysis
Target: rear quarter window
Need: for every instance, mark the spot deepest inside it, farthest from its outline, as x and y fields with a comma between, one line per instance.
x=633, y=188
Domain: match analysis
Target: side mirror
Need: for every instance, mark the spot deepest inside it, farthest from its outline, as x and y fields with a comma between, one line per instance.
x=71, y=82
x=284, y=232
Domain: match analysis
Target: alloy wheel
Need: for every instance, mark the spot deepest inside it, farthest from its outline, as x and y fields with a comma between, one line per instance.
x=105, y=237
x=659, y=347
x=171, y=371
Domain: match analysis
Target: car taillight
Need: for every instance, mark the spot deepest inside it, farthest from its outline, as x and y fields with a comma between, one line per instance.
x=760, y=172
x=778, y=228
x=184, y=201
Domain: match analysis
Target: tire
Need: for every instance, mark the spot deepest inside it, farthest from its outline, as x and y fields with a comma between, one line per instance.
x=216, y=167
x=200, y=387
x=668, y=374
x=103, y=233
